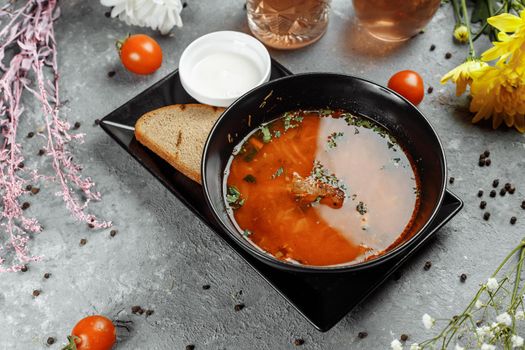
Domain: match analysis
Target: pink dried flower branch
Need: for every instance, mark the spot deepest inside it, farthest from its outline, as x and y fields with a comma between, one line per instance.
x=30, y=32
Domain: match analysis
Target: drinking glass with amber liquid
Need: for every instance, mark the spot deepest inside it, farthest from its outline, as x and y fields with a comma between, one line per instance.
x=395, y=20
x=288, y=24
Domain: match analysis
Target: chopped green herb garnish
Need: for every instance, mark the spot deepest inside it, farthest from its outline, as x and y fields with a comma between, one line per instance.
x=246, y=233
x=277, y=134
x=289, y=118
x=326, y=112
x=278, y=173
x=332, y=139
x=319, y=173
x=249, y=178
x=361, y=208
x=233, y=197
x=396, y=160
x=267, y=135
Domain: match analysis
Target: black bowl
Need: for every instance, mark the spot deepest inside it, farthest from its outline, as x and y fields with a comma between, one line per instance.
x=321, y=90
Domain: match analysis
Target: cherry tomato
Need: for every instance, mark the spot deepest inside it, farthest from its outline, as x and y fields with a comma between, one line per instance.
x=408, y=84
x=140, y=54
x=93, y=333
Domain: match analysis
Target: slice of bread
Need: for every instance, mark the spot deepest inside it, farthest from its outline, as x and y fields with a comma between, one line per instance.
x=177, y=134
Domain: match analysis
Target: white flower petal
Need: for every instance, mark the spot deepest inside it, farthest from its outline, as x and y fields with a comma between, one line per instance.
x=505, y=319
x=428, y=321
x=479, y=304
x=160, y=15
x=492, y=284
x=517, y=341
x=487, y=347
x=520, y=315
x=396, y=345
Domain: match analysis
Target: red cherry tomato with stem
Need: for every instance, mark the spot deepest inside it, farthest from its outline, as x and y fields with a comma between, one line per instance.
x=408, y=84
x=140, y=54
x=92, y=333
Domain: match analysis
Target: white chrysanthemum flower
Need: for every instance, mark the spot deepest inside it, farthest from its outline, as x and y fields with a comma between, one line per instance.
x=415, y=346
x=485, y=346
x=396, y=345
x=479, y=304
x=492, y=284
x=520, y=315
x=504, y=318
x=160, y=15
x=428, y=321
x=517, y=341
x=459, y=347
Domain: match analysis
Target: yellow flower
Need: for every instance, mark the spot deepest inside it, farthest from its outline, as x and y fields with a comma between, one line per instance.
x=461, y=33
x=507, y=45
x=463, y=74
x=499, y=92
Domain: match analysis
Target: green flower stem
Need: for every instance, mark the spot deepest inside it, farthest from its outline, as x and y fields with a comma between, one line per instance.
x=457, y=14
x=472, y=51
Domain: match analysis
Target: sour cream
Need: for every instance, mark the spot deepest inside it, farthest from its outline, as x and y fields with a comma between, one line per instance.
x=219, y=67
x=225, y=74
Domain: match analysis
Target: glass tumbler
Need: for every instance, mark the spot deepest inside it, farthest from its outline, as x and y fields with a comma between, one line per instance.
x=287, y=24
x=394, y=20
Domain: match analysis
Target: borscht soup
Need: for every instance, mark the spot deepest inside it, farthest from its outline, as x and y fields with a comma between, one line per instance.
x=322, y=187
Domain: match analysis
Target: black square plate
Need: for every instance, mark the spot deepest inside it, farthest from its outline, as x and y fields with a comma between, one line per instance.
x=323, y=300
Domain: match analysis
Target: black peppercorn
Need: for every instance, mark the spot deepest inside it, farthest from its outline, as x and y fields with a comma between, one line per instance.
x=190, y=347
x=428, y=265
x=41, y=152
x=111, y=73
x=486, y=153
x=112, y=233
x=502, y=192
x=463, y=278
x=298, y=342
x=487, y=162
x=483, y=205
x=50, y=341
x=481, y=162
x=508, y=186
x=403, y=337
x=206, y=287
x=25, y=205
x=24, y=268
x=149, y=312
x=448, y=55
x=47, y=275
x=30, y=134
x=495, y=183
x=36, y=293
x=486, y=216
x=493, y=193
x=362, y=335
x=430, y=90
x=77, y=125
x=83, y=241
x=432, y=47
x=480, y=193
x=239, y=307
x=523, y=205
x=451, y=180
x=513, y=220
x=512, y=189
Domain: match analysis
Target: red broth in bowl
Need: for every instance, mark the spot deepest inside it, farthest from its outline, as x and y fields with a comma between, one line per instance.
x=322, y=188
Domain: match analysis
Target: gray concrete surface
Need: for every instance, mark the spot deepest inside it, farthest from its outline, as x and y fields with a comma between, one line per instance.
x=162, y=255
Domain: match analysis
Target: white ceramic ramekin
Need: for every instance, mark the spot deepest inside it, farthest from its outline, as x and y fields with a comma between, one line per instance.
x=230, y=42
